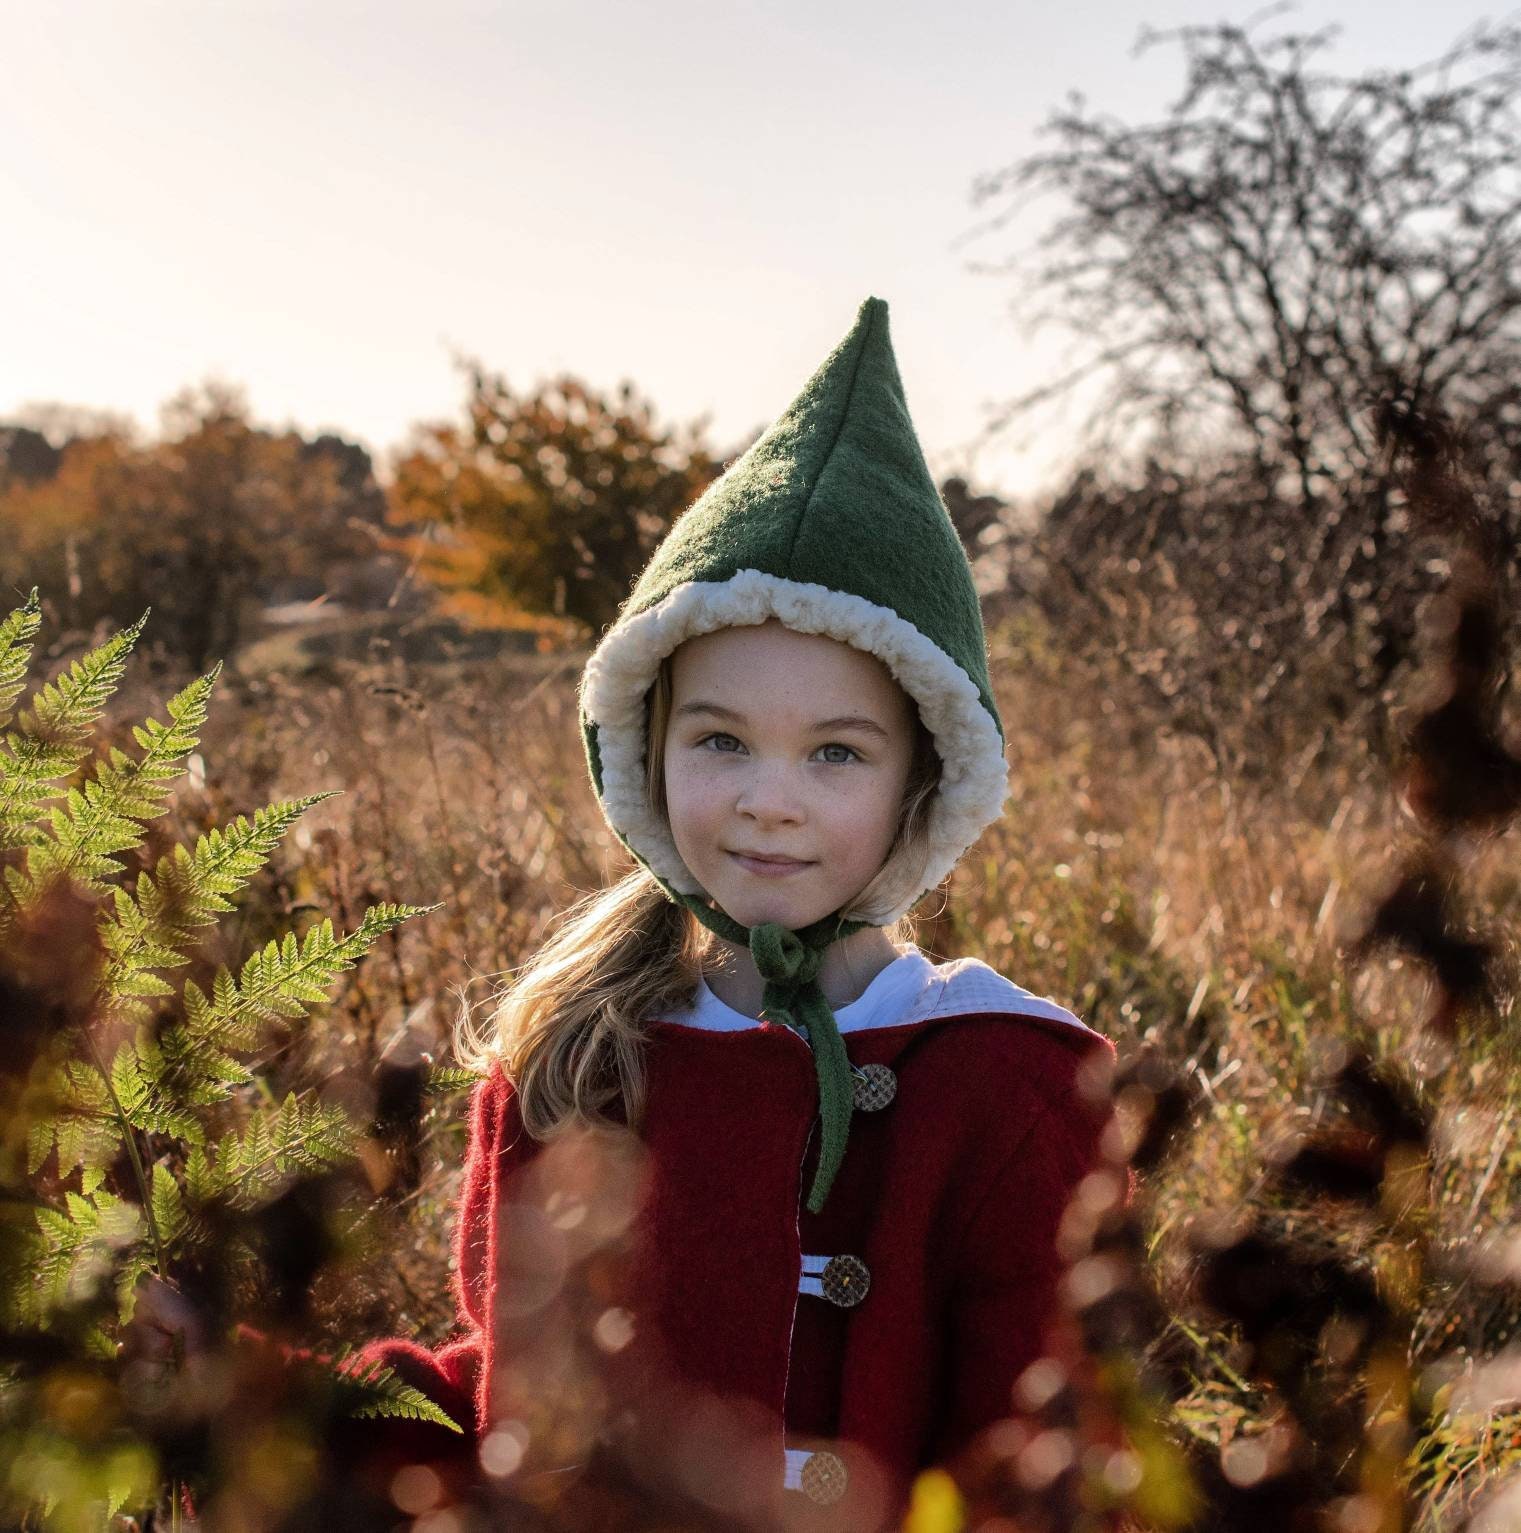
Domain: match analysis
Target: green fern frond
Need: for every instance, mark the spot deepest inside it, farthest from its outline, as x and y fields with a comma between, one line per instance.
x=136, y=1263
x=373, y=1390
x=80, y=1246
x=196, y=1071
x=51, y=737
x=200, y=1176
x=105, y=815
x=79, y=1119
x=171, y=1217
x=161, y=1084
x=143, y=1094
x=16, y=634
x=18, y=1264
x=285, y=977
x=155, y=926
x=441, y=1080
x=107, y=1114
x=249, y=1167
x=125, y=1479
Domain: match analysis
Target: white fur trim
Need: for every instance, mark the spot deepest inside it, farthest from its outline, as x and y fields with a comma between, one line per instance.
x=974, y=780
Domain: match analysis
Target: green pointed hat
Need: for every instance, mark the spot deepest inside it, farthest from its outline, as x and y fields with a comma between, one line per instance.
x=831, y=523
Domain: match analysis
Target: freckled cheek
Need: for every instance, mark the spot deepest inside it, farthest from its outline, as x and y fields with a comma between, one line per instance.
x=866, y=828
x=695, y=797
x=862, y=835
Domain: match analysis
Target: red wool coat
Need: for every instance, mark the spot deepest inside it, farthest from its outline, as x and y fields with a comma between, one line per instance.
x=669, y=1289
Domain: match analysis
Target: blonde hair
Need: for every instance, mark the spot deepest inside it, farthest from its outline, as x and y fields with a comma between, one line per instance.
x=569, y=1030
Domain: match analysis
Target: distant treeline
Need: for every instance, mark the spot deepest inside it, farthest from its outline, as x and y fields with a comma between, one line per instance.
x=1262, y=281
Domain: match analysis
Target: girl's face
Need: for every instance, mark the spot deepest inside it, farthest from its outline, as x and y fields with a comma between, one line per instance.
x=791, y=745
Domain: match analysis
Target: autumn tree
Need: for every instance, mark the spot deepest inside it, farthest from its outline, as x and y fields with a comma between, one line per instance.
x=200, y=524
x=26, y=456
x=539, y=510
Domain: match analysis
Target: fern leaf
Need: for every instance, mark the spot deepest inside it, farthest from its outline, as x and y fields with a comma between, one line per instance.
x=51, y=737
x=16, y=634
x=98, y=1343
x=441, y=1080
x=372, y=1389
x=287, y=976
x=79, y=1120
x=39, y=1142
x=137, y=1263
x=155, y=927
x=198, y=1073
x=296, y=1137
x=170, y=1217
x=201, y=1177
x=145, y=1095
x=19, y=1261
x=80, y=1246
x=103, y=816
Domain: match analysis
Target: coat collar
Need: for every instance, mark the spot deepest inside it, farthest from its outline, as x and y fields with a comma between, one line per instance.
x=908, y=991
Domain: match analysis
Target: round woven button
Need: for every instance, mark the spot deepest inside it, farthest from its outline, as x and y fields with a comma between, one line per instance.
x=823, y=1477
x=845, y=1280
x=874, y=1086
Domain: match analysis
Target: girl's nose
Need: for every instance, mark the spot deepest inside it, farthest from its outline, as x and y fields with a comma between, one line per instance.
x=770, y=792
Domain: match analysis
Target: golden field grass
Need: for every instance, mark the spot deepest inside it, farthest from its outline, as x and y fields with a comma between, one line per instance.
x=1126, y=880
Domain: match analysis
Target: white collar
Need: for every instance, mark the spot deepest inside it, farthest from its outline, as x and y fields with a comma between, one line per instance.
x=909, y=989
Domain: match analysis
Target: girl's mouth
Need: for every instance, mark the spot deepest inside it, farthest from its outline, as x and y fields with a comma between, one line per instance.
x=768, y=869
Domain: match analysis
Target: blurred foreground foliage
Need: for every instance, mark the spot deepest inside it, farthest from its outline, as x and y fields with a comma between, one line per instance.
x=141, y=1140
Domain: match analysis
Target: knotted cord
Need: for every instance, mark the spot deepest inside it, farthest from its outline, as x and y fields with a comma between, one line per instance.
x=789, y=961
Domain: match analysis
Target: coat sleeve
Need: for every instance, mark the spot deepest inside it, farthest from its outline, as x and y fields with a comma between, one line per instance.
x=1003, y=1299
x=453, y=1375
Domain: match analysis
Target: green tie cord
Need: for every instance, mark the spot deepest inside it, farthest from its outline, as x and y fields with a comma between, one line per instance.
x=788, y=961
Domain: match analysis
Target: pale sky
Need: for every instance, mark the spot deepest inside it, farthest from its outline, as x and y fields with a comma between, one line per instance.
x=320, y=202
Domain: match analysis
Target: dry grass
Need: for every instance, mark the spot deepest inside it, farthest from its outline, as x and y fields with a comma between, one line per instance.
x=1127, y=880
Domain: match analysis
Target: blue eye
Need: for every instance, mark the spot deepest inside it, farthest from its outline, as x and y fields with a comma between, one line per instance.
x=851, y=752
x=836, y=746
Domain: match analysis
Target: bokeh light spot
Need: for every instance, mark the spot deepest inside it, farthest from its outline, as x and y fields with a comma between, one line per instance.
x=416, y=1489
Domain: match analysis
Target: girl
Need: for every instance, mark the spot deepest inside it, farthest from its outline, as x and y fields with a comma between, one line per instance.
x=800, y=1238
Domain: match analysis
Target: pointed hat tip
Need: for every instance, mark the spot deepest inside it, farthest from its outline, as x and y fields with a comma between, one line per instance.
x=871, y=319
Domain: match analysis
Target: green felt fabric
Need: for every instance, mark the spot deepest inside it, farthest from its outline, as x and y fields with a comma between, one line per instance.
x=837, y=494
